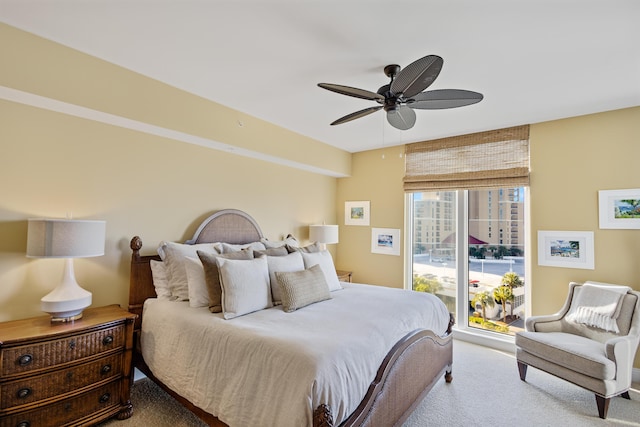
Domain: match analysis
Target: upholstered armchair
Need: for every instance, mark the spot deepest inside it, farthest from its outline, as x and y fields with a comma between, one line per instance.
x=596, y=359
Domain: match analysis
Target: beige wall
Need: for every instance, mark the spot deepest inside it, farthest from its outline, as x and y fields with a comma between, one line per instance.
x=376, y=177
x=159, y=188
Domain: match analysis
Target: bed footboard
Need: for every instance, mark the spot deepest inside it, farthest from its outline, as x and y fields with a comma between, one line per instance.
x=407, y=374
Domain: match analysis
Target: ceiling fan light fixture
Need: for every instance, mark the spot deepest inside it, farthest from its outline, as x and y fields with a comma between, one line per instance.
x=406, y=92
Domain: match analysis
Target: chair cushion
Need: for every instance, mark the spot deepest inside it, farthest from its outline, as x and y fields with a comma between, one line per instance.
x=573, y=352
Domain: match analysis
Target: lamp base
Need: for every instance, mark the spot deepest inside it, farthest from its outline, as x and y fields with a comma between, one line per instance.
x=66, y=302
x=65, y=311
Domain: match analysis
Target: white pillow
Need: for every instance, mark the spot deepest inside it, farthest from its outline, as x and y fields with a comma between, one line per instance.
x=174, y=255
x=198, y=291
x=228, y=247
x=323, y=258
x=160, y=279
x=286, y=263
x=245, y=286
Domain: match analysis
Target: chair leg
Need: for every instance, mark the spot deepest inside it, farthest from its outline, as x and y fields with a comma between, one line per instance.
x=603, y=406
x=625, y=395
x=522, y=369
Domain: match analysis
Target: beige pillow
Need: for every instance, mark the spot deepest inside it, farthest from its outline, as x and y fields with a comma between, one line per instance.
x=313, y=247
x=212, y=275
x=174, y=254
x=290, y=262
x=228, y=247
x=279, y=251
x=245, y=286
x=289, y=240
x=301, y=288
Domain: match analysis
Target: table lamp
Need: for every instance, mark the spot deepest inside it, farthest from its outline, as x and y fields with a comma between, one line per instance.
x=323, y=234
x=65, y=238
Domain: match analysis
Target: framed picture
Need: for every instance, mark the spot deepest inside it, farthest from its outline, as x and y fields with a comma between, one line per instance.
x=570, y=249
x=619, y=208
x=385, y=241
x=356, y=213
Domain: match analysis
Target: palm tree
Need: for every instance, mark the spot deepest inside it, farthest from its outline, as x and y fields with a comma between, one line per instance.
x=502, y=294
x=422, y=284
x=511, y=280
x=484, y=299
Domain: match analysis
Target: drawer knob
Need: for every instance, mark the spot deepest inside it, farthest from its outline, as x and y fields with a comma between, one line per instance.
x=72, y=345
x=105, y=398
x=23, y=424
x=107, y=340
x=106, y=369
x=25, y=359
x=23, y=393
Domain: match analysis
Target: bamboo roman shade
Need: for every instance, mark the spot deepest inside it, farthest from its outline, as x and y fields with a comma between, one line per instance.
x=498, y=158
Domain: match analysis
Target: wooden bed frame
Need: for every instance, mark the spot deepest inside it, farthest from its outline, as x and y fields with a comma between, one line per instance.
x=408, y=372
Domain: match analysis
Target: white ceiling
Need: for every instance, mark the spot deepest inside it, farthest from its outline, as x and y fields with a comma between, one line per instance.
x=534, y=60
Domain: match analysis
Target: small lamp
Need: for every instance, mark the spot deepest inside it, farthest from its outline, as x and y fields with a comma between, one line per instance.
x=65, y=238
x=323, y=234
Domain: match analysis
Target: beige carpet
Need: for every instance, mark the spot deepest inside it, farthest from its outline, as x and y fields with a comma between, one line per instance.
x=486, y=391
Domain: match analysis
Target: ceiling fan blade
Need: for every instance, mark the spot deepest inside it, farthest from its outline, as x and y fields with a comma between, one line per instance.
x=402, y=118
x=356, y=115
x=352, y=91
x=417, y=76
x=444, y=98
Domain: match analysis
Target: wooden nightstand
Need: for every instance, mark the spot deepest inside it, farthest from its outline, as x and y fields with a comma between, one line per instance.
x=344, y=276
x=76, y=373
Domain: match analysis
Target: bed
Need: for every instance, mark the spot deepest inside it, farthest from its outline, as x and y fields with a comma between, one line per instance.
x=330, y=378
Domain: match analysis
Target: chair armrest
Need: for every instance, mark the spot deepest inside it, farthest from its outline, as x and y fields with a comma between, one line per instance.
x=547, y=323
x=622, y=351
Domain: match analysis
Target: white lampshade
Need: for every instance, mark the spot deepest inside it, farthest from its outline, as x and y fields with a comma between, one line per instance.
x=327, y=234
x=65, y=238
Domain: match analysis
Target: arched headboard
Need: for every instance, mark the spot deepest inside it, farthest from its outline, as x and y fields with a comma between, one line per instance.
x=228, y=225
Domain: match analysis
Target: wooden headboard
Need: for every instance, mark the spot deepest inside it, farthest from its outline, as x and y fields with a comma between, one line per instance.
x=228, y=225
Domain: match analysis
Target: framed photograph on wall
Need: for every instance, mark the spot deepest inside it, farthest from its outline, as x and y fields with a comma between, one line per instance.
x=619, y=208
x=385, y=241
x=569, y=249
x=356, y=213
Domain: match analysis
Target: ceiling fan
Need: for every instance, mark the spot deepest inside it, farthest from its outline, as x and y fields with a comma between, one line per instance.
x=405, y=93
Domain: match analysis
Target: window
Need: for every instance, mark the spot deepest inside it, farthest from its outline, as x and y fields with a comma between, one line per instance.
x=480, y=279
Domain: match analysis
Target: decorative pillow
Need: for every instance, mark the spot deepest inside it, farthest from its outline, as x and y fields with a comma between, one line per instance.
x=323, y=258
x=174, y=254
x=314, y=247
x=160, y=279
x=279, y=251
x=289, y=240
x=290, y=262
x=198, y=292
x=228, y=247
x=302, y=288
x=212, y=275
x=245, y=286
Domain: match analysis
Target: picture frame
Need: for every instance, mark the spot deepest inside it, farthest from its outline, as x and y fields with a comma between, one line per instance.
x=385, y=241
x=356, y=213
x=569, y=249
x=619, y=209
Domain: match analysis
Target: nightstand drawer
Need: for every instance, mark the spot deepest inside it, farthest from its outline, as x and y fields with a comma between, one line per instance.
x=68, y=410
x=37, y=388
x=45, y=354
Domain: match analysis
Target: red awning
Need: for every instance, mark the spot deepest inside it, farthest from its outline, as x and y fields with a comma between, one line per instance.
x=451, y=238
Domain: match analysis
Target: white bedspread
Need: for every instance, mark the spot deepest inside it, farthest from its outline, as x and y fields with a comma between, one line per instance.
x=272, y=368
